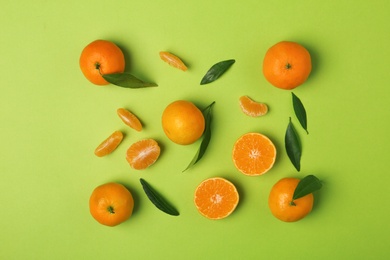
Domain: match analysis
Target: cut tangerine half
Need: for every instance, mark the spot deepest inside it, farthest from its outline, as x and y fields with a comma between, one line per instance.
x=252, y=108
x=129, y=119
x=216, y=198
x=143, y=154
x=173, y=60
x=254, y=154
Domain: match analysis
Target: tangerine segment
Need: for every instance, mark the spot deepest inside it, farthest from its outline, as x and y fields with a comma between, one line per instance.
x=173, y=60
x=101, y=57
x=111, y=204
x=253, y=154
x=110, y=144
x=143, y=154
x=252, y=108
x=287, y=65
x=280, y=198
x=216, y=198
x=129, y=119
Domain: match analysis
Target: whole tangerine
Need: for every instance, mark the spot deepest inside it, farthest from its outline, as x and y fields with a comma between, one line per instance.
x=183, y=122
x=111, y=204
x=287, y=65
x=101, y=57
x=282, y=205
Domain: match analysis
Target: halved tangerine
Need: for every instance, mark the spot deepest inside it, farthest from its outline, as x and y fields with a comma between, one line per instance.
x=143, y=154
x=216, y=198
x=252, y=108
x=253, y=154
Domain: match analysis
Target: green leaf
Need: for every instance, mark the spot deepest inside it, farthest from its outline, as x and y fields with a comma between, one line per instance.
x=157, y=199
x=206, y=137
x=126, y=80
x=293, y=146
x=307, y=185
x=300, y=111
x=216, y=71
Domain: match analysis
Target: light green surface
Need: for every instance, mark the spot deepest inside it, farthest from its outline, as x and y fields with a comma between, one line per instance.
x=52, y=118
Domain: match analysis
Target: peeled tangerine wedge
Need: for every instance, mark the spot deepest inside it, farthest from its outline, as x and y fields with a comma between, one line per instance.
x=129, y=119
x=143, y=154
x=173, y=60
x=252, y=108
x=109, y=145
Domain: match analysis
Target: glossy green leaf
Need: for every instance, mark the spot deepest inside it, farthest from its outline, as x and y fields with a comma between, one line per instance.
x=300, y=111
x=293, y=146
x=126, y=80
x=157, y=199
x=307, y=185
x=216, y=71
x=206, y=136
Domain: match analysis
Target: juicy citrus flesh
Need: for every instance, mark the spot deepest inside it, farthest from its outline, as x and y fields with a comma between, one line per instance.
x=287, y=65
x=111, y=204
x=109, y=144
x=143, y=154
x=182, y=122
x=129, y=119
x=173, y=60
x=216, y=198
x=253, y=154
x=101, y=57
x=252, y=108
x=280, y=201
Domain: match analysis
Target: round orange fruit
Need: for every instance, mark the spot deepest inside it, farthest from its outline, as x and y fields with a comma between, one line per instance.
x=111, y=204
x=182, y=122
x=216, y=198
x=101, y=57
x=282, y=205
x=254, y=154
x=287, y=65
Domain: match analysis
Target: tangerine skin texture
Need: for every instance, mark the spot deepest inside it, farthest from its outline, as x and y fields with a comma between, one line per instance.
x=182, y=122
x=112, y=195
x=287, y=65
x=101, y=57
x=280, y=197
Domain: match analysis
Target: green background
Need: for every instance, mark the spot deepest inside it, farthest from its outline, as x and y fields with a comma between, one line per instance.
x=52, y=119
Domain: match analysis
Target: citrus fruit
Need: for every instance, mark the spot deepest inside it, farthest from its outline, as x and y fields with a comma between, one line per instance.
x=129, y=119
x=110, y=144
x=282, y=205
x=216, y=198
x=111, y=204
x=182, y=122
x=101, y=57
x=252, y=108
x=143, y=154
x=287, y=65
x=173, y=60
x=253, y=154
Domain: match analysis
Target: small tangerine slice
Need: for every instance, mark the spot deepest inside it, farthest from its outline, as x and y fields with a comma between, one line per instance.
x=252, y=108
x=253, y=154
x=173, y=60
x=129, y=119
x=110, y=144
x=216, y=198
x=143, y=154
